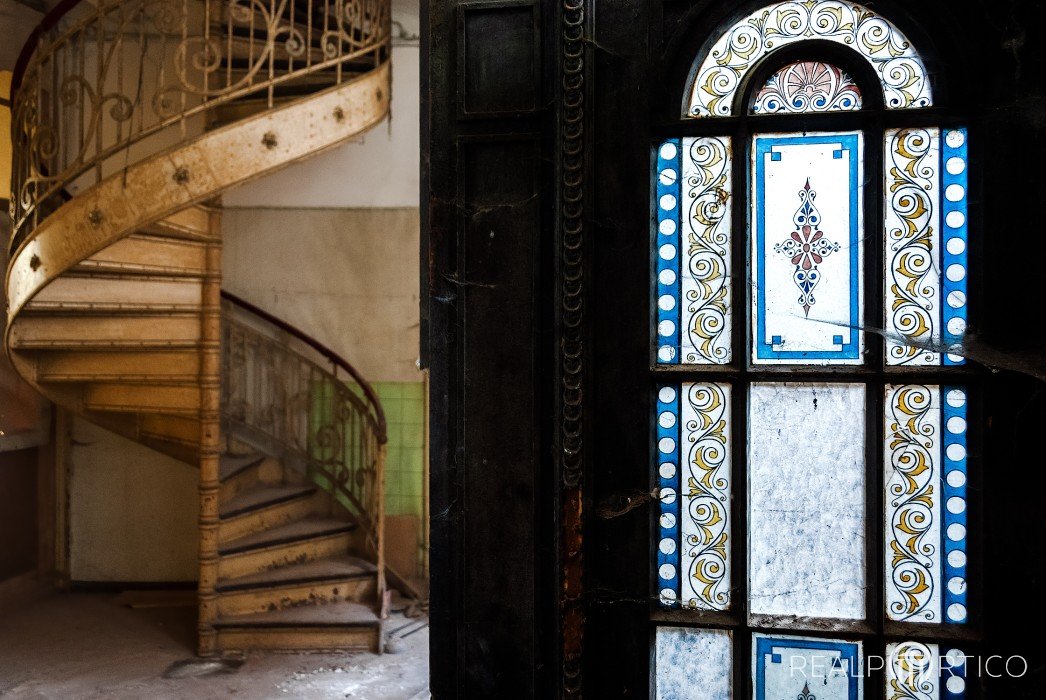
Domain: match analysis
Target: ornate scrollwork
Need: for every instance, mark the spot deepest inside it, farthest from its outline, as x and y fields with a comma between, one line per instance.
x=83, y=101
x=912, y=672
x=901, y=72
x=808, y=86
x=708, y=250
x=708, y=498
x=912, y=503
x=910, y=237
x=571, y=299
x=280, y=396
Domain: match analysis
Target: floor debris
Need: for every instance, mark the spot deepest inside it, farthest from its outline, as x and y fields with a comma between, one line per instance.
x=89, y=647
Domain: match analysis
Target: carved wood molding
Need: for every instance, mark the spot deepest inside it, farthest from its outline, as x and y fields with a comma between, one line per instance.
x=571, y=183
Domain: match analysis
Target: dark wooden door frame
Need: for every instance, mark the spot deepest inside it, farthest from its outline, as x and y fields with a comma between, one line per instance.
x=535, y=220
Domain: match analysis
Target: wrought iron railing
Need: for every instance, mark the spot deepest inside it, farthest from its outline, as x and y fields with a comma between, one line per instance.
x=103, y=85
x=285, y=392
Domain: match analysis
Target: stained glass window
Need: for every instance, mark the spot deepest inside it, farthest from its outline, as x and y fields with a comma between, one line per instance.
x=811, y=467
x=807, y=239
x=808, y=86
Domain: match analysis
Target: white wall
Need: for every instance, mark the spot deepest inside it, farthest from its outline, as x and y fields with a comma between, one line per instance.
x=348, y=277
x=132, y=511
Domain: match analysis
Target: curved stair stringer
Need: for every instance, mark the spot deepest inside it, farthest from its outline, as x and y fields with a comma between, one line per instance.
x=159, y=200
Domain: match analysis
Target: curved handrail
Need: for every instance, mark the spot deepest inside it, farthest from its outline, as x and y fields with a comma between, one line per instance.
x=49, y=22
x=277, y=398
x=333, y=357
x=127, y=78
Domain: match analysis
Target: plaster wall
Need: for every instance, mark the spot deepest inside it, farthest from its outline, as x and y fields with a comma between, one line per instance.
x=132, y=511
x=346, y=276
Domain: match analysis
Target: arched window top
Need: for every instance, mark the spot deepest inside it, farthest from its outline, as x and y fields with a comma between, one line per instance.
x=722, y=71
x=808, y=86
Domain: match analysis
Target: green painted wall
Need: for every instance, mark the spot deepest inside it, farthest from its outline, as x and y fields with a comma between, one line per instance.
x=404, y=404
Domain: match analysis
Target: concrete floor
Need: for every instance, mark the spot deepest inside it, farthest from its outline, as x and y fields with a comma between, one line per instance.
x=82, y=646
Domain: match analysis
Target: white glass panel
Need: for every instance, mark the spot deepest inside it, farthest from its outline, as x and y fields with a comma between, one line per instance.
x=805, y=668
x=706, y=496
x=913, y=503
x=806, y=462
x=913, y=249
x=706, y=289
x=743, y=45
x=807, y=239
x=692, y=664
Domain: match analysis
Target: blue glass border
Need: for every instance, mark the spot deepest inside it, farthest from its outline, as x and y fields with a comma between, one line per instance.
x=850, y=142
x=957, y=442
x=673, y=482
x=950, y=260
x=670, y=187
x=848, y=650
x=959, y=671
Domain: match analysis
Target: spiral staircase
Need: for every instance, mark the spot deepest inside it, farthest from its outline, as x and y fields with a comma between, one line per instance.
x=130, y=119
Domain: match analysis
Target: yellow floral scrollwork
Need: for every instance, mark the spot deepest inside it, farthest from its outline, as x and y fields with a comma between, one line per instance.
x=708, y=251
x=911, y=503
x=707, y=499
x=901, y=72
x=911, y=269
x=911, y=672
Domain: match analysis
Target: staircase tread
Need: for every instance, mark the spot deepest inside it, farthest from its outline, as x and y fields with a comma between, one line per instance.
x=329, y=569
x=231, y=465
x=299, y=530
x=262, y=497
x=343, y=614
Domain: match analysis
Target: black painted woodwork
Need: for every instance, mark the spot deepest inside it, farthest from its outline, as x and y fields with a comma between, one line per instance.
x=491, y=277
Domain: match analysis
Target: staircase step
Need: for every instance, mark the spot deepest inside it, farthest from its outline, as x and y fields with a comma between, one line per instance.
x=131, y=398
x=190, y=224
x=231, y=466
x=238, y=474
x=118, y=293
x=149, y=255
x=335, y=626
x=265, y=507
x=294, y=543
x=320, y=582
x=331, y=569
x=334, y=615
x=138, y=331
x=118, y=367
x=302, y=530
x=261, y=498
x=180, y=429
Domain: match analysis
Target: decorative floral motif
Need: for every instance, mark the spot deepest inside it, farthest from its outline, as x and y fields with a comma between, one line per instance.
x=707, y=287
x=706, y=532
x=911, y=238
x=808, y=86
x=912, y=557
x=911, y=673
x=805, y=694
x=889, y=52
x=807, y=247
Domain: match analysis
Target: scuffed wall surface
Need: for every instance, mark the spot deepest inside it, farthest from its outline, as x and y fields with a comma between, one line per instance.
x=348, y=277
x=132, y=511
x=380, y=169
